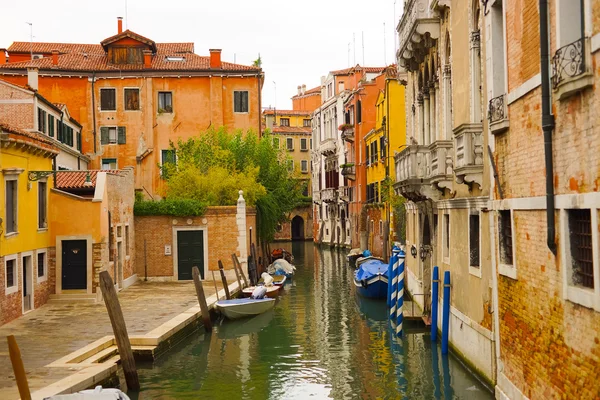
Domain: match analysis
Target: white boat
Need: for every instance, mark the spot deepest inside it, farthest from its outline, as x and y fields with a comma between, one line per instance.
x=98, y=393
x=272, y=291
x=241, y=308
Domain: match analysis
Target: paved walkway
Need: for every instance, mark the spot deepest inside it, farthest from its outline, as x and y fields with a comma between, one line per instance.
x=56, y=330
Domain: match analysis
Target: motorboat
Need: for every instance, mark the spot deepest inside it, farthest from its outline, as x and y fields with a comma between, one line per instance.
x=281, y=267
x=280, y=253
x=278, y=280
x=242, y=308
x=371, y=277
x=272, y=291
x=354, y=255
x=98, y=393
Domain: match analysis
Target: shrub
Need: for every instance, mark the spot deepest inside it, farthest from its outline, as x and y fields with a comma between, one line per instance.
x=173, y=207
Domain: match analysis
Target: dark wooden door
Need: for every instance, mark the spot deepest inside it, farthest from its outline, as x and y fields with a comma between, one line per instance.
x=74, y=264
x=190, y=253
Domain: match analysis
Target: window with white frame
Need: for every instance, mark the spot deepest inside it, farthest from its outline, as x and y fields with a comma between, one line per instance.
x=505, y=237
x=11, y=274
x=497, y=76
x=276, y=142
x=127, y=240
x=289, y=143
x=580, y=247
x=446, y=237
x=304, y=166
x=569, y=21
x=11, y=205
x=290, y=165
x=42, y=267
x=109, y=163
x=303, y=144
x=284, y=121
x=474, y=243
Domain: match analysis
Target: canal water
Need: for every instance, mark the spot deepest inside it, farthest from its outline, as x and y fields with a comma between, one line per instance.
x=320, y=341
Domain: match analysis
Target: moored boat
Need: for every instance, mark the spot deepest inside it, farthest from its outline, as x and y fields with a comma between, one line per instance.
x=371, y=277
x=278, y=280
x=242, y=308
x=272, y=291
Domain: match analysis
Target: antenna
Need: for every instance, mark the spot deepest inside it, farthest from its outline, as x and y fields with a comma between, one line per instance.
x=126, y=19
x=363, y=46
x=234, y=58
x=348, y=54
x=384, y=46
x=354, y=46
x=30, y=39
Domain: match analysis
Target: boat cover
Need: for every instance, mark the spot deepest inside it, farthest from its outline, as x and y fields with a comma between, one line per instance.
x=371, y=268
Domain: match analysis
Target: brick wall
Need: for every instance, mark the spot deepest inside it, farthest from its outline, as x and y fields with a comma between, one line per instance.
x=285, y=233
x=121, y=197
x=523, y=34
x=157, y=231
x=375, y=234
x=19, y=115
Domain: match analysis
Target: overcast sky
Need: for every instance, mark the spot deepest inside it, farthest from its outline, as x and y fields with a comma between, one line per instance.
x=297, y=41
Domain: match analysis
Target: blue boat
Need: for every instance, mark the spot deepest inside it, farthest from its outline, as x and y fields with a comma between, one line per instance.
x=371, y=277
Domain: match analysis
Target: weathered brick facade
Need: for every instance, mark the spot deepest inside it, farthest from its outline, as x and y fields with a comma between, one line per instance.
x=286, y=232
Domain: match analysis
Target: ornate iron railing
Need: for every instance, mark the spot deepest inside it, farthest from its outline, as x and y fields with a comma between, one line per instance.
x=568, y=61
x=496, y=109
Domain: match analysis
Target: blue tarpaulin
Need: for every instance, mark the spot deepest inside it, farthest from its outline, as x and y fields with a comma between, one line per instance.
x=371, y=268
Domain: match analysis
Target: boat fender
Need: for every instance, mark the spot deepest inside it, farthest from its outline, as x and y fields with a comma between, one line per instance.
x=364, y=283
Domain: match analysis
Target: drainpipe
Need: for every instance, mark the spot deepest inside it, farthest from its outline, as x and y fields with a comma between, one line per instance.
x=547, y=124
x=94, y=110
x=258, y=81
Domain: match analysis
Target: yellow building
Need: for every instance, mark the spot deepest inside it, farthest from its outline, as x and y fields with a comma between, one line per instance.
x=388, y=136
x=25, y=240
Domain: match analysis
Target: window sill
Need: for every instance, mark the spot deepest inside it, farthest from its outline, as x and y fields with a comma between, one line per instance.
x=10, y=234
x=508, y=270
x=107, y=111
x=499, y=126
x=475, y=271
x=42, y=230
x=446, y=260
x=583, y=297
x=241, y=112
x=571, y=86
x=42, y=279
x=11, y=290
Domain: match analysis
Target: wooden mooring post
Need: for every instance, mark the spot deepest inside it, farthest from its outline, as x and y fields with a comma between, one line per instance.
x=237, y=265
x=120, y=330
x=215, y=283
x=224, y=280
x=18, y=368
x=202, y=300
x=237, y=276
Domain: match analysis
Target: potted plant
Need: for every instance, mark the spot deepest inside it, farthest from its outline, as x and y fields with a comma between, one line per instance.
x=343, y=127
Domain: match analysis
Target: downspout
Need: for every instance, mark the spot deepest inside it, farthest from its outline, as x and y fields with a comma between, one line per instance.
x=94, y=109
x=258, y=83
x=547, y=124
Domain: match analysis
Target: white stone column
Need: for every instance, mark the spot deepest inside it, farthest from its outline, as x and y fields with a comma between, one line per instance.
x=447, y=102
x=432, y=113
x=240, y=219
x=426, y=116
x=421, y=120
x=475, y=77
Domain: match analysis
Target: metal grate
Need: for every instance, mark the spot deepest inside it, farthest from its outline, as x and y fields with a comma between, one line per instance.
x=568, y=61
x=506, y=248
x=580, y=228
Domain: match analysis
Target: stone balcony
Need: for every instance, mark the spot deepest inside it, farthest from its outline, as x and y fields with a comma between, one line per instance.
x=348, y=134
x=316, y=195
x=468, y=167
x=349, y=171
x=345, y=193
x=417, y=32
x=328, y=146
x=412, y=173
x=329, y=195
x=441, y=156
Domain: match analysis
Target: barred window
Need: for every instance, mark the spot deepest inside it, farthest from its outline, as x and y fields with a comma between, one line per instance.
x=580, y=234
x=505, y=237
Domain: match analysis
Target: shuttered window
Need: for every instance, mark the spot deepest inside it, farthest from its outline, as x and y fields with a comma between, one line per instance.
x=11, y=206
x=42, y=207
x=121, y=135
x=108, y=99
x=132, y=99
x=79, y=141
x=113, y=135
x=41, y=120
x=165, y=102
x=51, y=125
x=240, y=101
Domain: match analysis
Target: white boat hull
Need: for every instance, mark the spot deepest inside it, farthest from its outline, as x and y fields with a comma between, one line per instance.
x=242, y=308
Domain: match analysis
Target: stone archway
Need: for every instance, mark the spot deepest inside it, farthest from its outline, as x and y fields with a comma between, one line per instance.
x=298, y=228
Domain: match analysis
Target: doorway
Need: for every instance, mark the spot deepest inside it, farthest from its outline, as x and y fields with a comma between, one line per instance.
x=119, y=278
x=26, y=262
x=297, y=228
x=74, y=264
x=190, y=253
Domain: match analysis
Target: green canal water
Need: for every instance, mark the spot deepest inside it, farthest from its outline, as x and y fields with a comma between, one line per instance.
x=321, y=341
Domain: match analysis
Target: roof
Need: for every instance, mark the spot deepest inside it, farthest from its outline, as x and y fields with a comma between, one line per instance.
x=350, y=70
x=93, y=57
x=286, y=112
x=75, y=179
x=292, y=129
x=128, y=34
x=313, y=91
x=12, y=133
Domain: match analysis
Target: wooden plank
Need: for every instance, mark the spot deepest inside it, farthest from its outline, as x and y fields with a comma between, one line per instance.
x=120, y=330
x=202, y=300
x=18, y=368
x=237, y=275
x=237, y=265
x=224, y=280
x=215, y=282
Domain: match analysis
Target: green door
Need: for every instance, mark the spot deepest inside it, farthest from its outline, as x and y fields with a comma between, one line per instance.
x=190, y=253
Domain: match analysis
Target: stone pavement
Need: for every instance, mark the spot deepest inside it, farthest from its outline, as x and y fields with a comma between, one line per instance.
x=56, y=330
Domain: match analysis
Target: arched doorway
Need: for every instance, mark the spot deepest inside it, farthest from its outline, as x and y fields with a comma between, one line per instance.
x=297, y=228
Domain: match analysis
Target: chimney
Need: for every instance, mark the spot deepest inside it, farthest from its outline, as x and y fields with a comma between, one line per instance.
x=32, y=78
x=147, y=58
x=303, y=89
x=299, y=90
x=119, y=24
x=215, y=58
x=54, y=57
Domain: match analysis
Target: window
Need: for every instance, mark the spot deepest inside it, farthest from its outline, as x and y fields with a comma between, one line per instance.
x=41, y=264
x=570, y=22
x=303, y=144
x=10, y=266
x=276, y=142
x=367, y=157
x=11, y=206
x=304, y=166
x=289, y=143
x=42, y=207
x=127, y=55
x=374, y=154
x=290, y=165
x=474, y=260
x=109, y=163
x=113, y=135
x=240, y=101
x=41, y=120
x=132, y=99
x=111, y=245
x=284, y=121
x=165, y=102
x=127, y=240
x=580, y=236
x=382, y=147
x=108, y=99
x=65, y=134
x=446, y=238
x=359, y=111
x=306, y=123
x=51, y=125
x=311, y=144
x=505, y=237
x=79, y=141
x=168, y=162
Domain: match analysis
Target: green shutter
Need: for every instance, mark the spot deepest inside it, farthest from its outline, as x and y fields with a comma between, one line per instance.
x=121, y=139
x=59, y=132
x=103, y=135
x=79, y=141
x=51, y=125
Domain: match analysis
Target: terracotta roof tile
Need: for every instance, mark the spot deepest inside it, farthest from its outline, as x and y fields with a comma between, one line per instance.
x=292, y=129
x=75, y=179
x=34, y=138
x=347, y=71
x=314, y=90
x=286, y=112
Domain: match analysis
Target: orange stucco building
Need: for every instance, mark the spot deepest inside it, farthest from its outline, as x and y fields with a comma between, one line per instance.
x=308, y=100
x=134, y=96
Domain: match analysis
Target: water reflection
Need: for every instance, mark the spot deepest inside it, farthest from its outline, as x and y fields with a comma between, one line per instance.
x=320, y=341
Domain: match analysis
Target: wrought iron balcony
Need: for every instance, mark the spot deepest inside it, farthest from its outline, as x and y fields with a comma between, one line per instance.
x=412, y=173
x=498, y=114
x=571, y=68
x=349, y=171
x=328, y=146
x=417, y=31
x=468, y=168
x=329, y=195
x=441, y=173
x=348, y=134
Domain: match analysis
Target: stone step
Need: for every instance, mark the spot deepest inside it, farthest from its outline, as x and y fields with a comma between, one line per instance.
x=72, y=298
x=101, y=356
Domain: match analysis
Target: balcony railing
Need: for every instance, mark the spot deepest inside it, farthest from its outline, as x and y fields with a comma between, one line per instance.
x=417, y=20
x=329, y=195
x=348, y=134
x=345, y=193
x=469, y=153
x=412, y=172
x=441, y=173
x=498, y=114
x=568, y=62
x=328, y=146
x=349, y=171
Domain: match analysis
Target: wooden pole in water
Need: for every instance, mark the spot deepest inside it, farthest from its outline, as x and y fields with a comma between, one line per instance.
x=256, y=270
x=237, y=264
x=215, y=282
x=237, y=275
x=201, y=299
x=225, y=286
x=120, y=330
x=18, y=368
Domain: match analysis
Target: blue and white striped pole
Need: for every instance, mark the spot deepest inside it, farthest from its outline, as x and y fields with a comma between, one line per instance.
x=399, y=307
x=394, y=277
x=389, y=276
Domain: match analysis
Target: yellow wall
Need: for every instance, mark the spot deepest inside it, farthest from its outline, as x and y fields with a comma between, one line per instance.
x=28, y=237
x=71, y=223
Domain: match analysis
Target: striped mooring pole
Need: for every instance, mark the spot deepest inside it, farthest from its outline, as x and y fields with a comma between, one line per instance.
x=399, y=307
x=389, y=274
x=394, y=278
